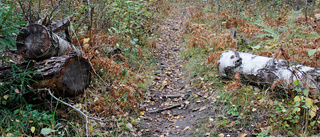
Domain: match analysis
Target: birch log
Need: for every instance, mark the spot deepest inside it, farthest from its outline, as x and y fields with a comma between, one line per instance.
x=265, y=70
x=38, y=42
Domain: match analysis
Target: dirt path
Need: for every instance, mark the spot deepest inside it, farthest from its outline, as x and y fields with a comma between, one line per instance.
x=173, y=104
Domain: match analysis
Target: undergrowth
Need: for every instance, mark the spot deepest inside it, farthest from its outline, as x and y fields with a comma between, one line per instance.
x=116, y=37
x=268, y=28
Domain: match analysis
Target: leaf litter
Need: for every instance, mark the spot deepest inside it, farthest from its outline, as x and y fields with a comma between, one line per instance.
x=170, y=108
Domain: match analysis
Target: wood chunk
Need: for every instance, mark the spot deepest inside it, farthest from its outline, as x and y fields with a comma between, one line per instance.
x=37, y=42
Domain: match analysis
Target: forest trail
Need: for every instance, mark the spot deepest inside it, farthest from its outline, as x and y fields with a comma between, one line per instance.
x=173, y=104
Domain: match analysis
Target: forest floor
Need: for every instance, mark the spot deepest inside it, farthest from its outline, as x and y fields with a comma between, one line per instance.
x=155, y=75
x=173, y=103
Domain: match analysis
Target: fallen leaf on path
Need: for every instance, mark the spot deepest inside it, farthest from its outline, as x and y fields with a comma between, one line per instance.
x=254, y=109
x=242, y=135
x=203, y=108
x=195, y=109
x=186, y=128
x=130, y=127
x=141, y=113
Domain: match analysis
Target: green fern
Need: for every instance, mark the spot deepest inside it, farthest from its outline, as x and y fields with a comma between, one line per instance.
x=270, y=32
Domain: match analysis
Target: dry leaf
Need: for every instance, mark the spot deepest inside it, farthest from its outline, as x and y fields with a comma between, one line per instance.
x=86, y=39
x=203, y=108
x=186, y=128
x=130, y=127
x=6, y=96
x=141, y=113
x=242, y=135
x=17, y=91
x=33, y=129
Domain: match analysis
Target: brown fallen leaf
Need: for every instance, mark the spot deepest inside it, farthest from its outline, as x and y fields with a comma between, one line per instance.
x=242, y=135
x=141, y=113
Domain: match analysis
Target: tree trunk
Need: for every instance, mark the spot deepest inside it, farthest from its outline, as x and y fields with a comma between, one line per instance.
x=68, y=75
x=38, y=42
x=264, y=70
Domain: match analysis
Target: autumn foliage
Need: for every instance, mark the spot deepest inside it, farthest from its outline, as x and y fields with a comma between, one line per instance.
x=267, y=28
x=120, y=82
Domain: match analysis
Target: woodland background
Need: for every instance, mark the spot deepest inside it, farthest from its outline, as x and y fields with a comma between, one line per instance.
x=119, y=38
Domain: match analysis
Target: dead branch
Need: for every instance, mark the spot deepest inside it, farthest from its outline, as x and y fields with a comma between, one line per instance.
x=175, y=96
x=167, y=108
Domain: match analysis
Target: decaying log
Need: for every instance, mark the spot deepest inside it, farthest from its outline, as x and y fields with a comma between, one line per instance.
x=38, y=42
x=265, y=70
x=68, y=75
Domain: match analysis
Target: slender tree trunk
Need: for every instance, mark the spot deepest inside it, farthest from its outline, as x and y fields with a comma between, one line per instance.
x=306, y=13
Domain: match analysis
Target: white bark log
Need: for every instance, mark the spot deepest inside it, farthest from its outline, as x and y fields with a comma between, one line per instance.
x=265, y=70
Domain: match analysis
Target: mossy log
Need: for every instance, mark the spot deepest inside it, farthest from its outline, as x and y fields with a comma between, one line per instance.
x=38, y=42
x=68, y=75
x=265, y=70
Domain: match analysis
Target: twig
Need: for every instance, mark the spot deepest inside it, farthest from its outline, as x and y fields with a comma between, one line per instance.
x=54, y=9
x=86, y=116
x=306, y=13
x=167, y=108
x=175, y=96
x=90, y=18
x=95, y=72
x=23, y=11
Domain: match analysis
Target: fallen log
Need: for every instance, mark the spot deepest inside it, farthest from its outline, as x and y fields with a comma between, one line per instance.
x=68, y=75
x=265, y=70
x=38, y=42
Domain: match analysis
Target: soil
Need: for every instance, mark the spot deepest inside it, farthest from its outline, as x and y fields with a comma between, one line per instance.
x=173, y=103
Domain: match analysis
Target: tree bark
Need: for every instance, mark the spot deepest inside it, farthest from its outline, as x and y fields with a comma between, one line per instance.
x=69, y=75
x=264, y=70
x=38, y=42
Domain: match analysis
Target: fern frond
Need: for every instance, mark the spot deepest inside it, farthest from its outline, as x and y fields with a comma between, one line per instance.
x=269, y=31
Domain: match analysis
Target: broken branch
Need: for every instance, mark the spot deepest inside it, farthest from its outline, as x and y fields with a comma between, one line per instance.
x=167, y=108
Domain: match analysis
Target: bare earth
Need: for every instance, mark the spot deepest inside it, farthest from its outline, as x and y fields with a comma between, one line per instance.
x=173, y=104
